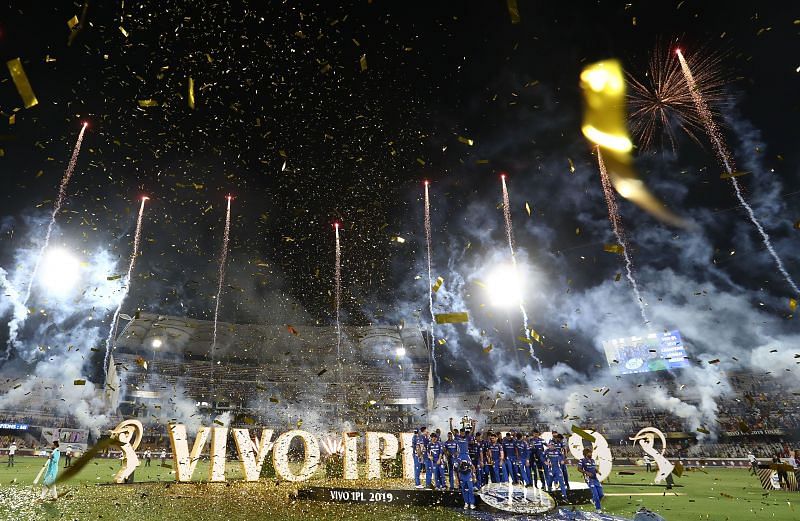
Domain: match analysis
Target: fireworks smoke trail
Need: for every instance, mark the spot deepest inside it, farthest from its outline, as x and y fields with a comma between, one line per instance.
x=222, y=261
x=510, y=238
x=724, y=156
x=619, y=232
x=337, y=276
x=428, y=243
x=14, y=325
x=137, y=238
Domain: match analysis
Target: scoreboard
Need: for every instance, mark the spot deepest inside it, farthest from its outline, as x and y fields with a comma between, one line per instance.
x=650, y=352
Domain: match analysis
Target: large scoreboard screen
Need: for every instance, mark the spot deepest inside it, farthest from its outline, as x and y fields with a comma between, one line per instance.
x=642, y=354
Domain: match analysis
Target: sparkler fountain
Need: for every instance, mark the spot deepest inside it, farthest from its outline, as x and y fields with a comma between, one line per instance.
x=14, y=325
x=721, y=150
x=510, y=238
x=137, y=238
x=619, y=232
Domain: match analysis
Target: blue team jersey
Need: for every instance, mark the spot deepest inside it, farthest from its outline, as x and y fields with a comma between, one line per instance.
x=435, y=449
x=495, y=449
x=508, y=448
x=588, y=465
x=422, y=444
x=537, y=445
x=555, y=457
x=452, y=448
x=523, y=450
x=463, y=450
x=474, y=450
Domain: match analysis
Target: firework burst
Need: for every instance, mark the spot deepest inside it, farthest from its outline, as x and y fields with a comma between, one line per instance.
x=661, y=104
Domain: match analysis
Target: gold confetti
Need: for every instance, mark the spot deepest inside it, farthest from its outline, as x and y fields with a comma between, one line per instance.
x=148, y=103
x=421, y=161
x=613, y=248
x=513, y=11
x=528, y=208
x=363, y=62
x=571, y=166
x=488, y=348
x=792, y=304
x=604, y=124
x=442, y=341
x=72, y=22
x=114, y=277
x=21, y=81
x=191, y=93
x=703, y=430
x=437, y=284
x=617, y=277
x=79, y=382
x=12, y=119
x=728, y=175
x=123, y=31
x=398, y=239
x=452, y=318
x=583, y=434
x=465, y=140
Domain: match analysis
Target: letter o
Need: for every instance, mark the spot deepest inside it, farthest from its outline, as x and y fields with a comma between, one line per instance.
x=280, y=455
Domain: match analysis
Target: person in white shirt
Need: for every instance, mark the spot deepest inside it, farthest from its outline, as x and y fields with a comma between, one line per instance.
x=12, y=450
x=753, y=463
x=147, y=456
x=648, y=464
x=163, y=456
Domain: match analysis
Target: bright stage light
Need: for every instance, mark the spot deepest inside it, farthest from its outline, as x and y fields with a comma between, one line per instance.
x=505, y=286
x=157, y=343
x=59, y=272
x=401, y=351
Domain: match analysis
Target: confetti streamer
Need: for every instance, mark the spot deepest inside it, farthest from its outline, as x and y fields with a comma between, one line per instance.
x=513, y=11
x=21, y=81
x=452, y=318
x=603, y=89
x=583, y=434
x=191, y=93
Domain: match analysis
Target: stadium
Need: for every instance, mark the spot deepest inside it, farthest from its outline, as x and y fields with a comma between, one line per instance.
x=371, y=261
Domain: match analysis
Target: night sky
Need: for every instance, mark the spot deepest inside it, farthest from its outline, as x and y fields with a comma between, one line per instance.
x=308, y=113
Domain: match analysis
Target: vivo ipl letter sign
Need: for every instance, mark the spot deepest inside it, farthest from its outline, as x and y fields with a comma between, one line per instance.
x=252, y=453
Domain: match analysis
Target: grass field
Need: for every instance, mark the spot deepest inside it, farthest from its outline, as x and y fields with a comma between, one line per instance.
x=718, y=494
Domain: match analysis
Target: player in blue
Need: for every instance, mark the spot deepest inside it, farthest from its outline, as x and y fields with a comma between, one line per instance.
x=421, y=451
x=537, y=458
x=588, y=468
x=465, y=476
x=487, y=467
x=495, y=457
x=562, y=445
x=451, y=449
x=524, y=463
x=435, y=457
x=474, y=450
x=510, y=453
x=553, y=458
x=414, y=440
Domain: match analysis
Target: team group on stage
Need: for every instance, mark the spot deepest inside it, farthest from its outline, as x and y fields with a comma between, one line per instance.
x=471, y=461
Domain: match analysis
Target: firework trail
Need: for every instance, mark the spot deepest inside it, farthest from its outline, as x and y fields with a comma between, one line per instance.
x=717, y=141
x=510, y=238
x=659, y=103
x=337, y=276
x=428, y=243
x=14, y=325
x=137, y=238
x=222, y=261
x=619, y=232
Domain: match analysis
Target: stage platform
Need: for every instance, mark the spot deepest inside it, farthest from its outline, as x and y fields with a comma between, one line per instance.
x=494, y=496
